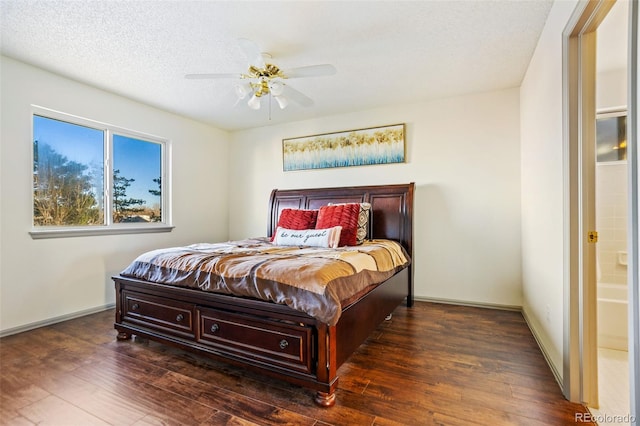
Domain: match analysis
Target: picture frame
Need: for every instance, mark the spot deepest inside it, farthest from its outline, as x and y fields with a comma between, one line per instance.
x=361, y=147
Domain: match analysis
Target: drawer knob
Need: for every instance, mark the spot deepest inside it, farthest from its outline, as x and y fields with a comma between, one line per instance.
x=283, y=344
x=215, y=327
x=135, y=307
x=180, y=317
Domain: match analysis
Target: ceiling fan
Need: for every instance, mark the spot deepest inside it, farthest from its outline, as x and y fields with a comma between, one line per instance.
x=263, y=78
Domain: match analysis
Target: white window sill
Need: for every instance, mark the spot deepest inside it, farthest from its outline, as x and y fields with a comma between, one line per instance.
x=64, y=232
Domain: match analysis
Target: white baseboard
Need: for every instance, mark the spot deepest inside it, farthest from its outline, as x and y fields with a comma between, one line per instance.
x=50, y=321
x=545, y=353
x=472, y=304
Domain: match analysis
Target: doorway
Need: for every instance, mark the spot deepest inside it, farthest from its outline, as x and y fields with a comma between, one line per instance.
x=611, y=205
x=580, y=378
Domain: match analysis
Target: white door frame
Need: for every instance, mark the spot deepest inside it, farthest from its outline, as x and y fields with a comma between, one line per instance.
x=633, y=155
x=580, y=348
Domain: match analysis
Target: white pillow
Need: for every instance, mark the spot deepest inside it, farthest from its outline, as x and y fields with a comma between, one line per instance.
x=329, y=237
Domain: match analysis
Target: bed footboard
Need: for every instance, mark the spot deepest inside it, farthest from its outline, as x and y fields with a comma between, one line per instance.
x=264, y=337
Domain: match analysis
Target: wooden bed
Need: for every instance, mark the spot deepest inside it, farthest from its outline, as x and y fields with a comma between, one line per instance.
x=267, y=337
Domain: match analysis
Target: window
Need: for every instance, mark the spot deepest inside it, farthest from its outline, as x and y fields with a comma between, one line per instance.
x=137, y=180
x=611, y=136
x=91, y=178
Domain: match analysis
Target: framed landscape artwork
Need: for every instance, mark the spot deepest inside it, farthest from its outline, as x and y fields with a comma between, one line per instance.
x=373, y=145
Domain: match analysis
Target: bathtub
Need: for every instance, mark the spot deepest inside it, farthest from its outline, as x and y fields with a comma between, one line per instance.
x=612, y=316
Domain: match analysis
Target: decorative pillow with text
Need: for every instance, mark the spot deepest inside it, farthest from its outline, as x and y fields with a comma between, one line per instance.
x=329, y=237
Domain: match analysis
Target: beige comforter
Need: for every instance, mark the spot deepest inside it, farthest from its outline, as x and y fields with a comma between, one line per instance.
x=316, y=281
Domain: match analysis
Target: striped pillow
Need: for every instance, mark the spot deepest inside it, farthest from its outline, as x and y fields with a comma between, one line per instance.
x=344, y=215
x=363, y=221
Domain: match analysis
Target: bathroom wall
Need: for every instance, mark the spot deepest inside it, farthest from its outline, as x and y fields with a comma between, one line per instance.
x=611, y=178
x=611, y=221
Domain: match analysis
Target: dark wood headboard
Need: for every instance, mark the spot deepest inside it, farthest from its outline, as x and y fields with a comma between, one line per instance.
x=391, y=205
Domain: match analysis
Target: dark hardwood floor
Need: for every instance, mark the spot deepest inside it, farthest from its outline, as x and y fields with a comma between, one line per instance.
x=431, y=364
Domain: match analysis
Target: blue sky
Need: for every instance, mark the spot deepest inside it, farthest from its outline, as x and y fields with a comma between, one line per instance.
x=139, y=160
x=136, y=159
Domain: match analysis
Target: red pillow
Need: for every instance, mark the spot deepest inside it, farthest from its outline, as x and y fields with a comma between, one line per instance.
x=296, y=219
x=345, y=215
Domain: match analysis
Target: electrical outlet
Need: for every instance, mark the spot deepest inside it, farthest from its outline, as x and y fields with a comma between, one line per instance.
x=547, y=313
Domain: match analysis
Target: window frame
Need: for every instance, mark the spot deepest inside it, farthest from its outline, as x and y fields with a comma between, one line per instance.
x=612, y=113
x=109, y=228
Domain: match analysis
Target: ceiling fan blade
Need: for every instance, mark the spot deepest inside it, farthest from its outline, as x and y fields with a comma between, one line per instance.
x=252, y=52
x=227, y=99
x=210, y=76
x=296, y=96
x=311, y=71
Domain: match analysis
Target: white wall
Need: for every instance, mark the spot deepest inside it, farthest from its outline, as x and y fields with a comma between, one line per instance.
x=463, y=154
x=611, y=89
x=542, y=186
x=41, y=280
x=611, y=220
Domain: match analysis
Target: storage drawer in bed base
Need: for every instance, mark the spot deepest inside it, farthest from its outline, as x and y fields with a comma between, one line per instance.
x=240, y=336
x=165, y=315
x=257, y=339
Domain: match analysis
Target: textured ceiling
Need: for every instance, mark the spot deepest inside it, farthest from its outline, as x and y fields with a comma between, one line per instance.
x=385, y=52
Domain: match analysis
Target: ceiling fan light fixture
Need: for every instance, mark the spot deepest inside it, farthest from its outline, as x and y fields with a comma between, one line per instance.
x=277, y=88
x=254, y=102
x=263, y=79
